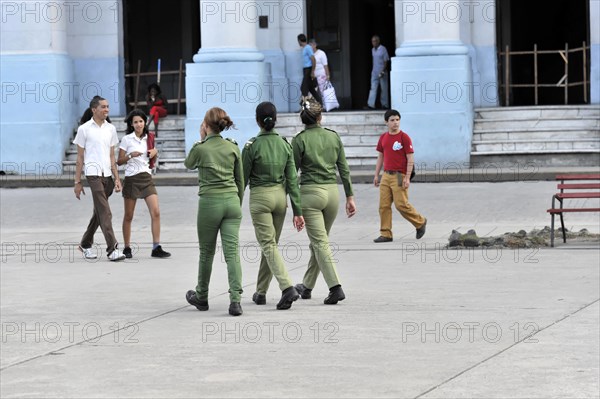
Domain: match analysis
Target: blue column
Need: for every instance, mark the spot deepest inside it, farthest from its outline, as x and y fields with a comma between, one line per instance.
x=432, y=84
x=431, y=89
x=595, y=51
x=228, y=72
x=37, y=89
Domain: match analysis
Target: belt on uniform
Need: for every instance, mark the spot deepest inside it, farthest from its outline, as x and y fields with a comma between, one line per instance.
x=392, y=172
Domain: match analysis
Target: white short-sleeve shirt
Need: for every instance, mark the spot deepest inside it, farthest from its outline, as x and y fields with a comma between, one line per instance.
x=97, y=142
x=321, y=60
x=132, y=143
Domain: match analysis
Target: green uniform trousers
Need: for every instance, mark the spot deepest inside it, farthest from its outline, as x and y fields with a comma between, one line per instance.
x=219, y=212
x=267, y=208
x=320, y=205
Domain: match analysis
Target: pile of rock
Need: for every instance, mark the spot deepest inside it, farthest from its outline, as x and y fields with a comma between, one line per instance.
x=521, y=239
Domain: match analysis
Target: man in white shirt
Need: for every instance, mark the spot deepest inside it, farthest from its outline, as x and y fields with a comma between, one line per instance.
x=96, y=140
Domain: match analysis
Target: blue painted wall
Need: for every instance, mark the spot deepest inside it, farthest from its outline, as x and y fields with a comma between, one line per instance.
x=38, y=114
x=485, y=76
x=294, y=73
x=280, y=84
x=432, y=94
x=103, y=77
x=595, y=73
x=237, y=87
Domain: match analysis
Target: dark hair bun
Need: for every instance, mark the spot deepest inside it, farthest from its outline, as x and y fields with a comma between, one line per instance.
x=269, y=124
x=225, y=123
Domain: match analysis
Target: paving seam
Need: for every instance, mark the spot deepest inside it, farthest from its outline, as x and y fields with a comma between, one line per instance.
x=252, y=284
x=112, y=332
x=504, y=350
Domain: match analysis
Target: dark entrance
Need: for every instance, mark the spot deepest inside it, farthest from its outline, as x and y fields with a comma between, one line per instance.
x=169, y=31
x=343, y=30
x=552, y=26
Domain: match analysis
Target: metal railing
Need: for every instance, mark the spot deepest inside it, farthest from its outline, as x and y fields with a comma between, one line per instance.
x=138, y=74
x=536, y=85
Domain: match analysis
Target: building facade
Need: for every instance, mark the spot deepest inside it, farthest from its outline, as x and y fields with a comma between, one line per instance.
x=445, y=62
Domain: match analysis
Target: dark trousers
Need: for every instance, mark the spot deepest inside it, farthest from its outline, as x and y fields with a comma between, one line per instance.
x=310, y=85
x=101, y=188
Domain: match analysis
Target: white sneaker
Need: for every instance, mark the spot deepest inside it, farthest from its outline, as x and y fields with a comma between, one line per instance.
x=116, y=255
x=88, y=253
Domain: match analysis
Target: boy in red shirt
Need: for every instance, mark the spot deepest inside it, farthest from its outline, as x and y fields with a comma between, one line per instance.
x=396, y=155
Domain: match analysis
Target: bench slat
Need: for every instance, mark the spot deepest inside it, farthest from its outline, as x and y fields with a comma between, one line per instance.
x=578, y=177
x=578, y=195
x=583, y=186
x=567, y=210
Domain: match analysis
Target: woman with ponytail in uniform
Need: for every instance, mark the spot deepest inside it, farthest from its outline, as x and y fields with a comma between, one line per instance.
x=270, y=171
x=318, y=153
x=221, y=183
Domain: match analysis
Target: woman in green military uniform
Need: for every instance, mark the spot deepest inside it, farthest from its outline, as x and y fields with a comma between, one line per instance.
x=270, y=171
x=318, y=152
x=221, y=182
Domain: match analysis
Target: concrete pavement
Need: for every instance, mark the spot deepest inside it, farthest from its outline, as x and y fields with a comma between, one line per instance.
x=418, y=321
x=44, y=176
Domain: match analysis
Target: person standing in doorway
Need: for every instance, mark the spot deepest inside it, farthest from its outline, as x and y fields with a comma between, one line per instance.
x=96, y=140
x=318, y=152
x=221, y=190
x=396, y=155
x=135, y=152
x=309, y=81
x=379, y=75
x=270, y=171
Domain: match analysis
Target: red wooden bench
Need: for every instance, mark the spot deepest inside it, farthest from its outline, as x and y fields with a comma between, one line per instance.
x=592, y=182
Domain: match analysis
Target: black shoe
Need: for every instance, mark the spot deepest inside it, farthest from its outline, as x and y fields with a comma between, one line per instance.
x=336, y=294
x=421, y=230
x=259, y=299
x=159, y=253
x=288, y=296
x=383, y=239
x=305, y=293
x=200, y=304
x=127, y=252
x=235, y=309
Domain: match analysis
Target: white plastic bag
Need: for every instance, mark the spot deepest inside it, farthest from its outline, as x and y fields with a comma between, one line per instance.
x=329, y=98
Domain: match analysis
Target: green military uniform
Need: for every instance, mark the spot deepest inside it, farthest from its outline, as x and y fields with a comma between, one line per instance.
x=221, y=181
x=270, y=171
x=318, y=152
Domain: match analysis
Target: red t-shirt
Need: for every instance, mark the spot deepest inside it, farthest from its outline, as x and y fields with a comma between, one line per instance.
x=394, y=149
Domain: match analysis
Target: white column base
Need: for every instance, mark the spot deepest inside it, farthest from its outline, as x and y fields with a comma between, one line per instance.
x=237, y=87
x=433, y=93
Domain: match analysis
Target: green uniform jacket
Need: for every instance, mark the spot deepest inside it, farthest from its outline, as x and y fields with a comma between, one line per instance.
x=219, y=165
x=269, y=161
x=317, y=153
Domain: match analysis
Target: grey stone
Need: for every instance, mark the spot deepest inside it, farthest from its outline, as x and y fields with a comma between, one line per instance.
x=454, y=239
x=471, y=241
